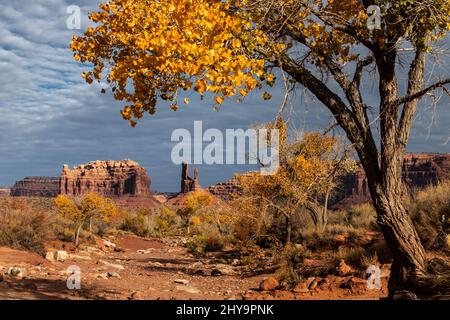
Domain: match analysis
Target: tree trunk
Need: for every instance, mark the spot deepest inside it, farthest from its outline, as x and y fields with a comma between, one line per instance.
x=77, y=235
x=288, y=230
x=325, y=212
x=387, y=191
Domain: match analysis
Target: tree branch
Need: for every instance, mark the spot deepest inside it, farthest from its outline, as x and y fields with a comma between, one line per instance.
x=422, y=92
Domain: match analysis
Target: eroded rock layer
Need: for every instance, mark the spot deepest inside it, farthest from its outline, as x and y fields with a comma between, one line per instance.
x=107, y=178
x=36, y=187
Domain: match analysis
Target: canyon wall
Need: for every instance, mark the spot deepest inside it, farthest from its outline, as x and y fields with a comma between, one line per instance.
x=36, y=187
x=419, y=170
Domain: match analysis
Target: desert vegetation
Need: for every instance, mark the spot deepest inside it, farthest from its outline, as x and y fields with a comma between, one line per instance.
x=238, y=230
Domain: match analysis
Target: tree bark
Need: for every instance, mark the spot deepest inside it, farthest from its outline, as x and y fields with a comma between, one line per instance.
x=409, y=262
x=77, y=235
x=288, y=230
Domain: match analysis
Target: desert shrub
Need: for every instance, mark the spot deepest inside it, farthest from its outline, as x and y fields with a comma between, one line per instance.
x=248, y=252
x=157, y=223
x=358, y=216
x=430, y=211
x=23, y=226
x=137, y=222
x=289, y=261
x=194, y=202
x=346, y=230
x=354, y=256
x=210, y=239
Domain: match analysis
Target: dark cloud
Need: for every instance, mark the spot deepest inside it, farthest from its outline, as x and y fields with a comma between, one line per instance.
x=49, y=116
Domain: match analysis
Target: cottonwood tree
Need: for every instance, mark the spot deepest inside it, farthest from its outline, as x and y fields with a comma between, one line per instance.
x=82, y=210
x=309, y=167
x=149, y=50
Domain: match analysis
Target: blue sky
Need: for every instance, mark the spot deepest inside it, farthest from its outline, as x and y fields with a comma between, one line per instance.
x=50, y=117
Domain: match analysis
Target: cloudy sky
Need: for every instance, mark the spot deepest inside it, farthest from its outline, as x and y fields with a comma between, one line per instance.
x=50, y=117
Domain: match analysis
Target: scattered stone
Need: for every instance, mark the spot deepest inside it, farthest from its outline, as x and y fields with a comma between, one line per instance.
x=61, y=256
x=343, y=269
x=223, y=269
x=301, y=288
x=79, y=257
x=269, y=284
x=16, y=272
x=146, y=251
x=235, y=262
x=155, y=264
x=188, y=289
x=50, y=256
x=112, y=265
x=109, y=244
x=102, y=276
x=313, y=285
x=112, y=274
x=182, y=281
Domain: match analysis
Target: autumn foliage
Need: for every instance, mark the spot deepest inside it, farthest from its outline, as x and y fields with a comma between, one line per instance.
x=85, y=209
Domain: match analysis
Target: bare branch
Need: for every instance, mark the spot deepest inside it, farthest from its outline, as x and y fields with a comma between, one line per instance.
x=422, y=92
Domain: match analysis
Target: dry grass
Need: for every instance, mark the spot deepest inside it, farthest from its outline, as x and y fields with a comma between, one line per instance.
x=430, y=211
x=22, y=225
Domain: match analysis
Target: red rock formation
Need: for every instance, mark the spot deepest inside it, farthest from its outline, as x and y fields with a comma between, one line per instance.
x=225, y=190
x=107, y=178
x=36, y=187
x=187, y=183
x=419, y=170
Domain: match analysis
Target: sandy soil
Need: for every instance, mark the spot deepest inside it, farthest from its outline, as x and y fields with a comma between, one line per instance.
x=152, y=269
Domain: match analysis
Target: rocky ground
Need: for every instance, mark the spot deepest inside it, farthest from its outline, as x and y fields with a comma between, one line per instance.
x=129, y=267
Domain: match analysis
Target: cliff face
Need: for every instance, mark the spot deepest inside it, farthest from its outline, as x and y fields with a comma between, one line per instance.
x=36, y=187
x=107, y=178
x=225, y=190
x=419, y=170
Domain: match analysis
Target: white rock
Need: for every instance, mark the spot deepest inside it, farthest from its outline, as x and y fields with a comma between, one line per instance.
x=109, y=244
x=61, y=256
x=79, y=257
x=187, y=289
x=182, y=281
x=50, y=256
x=16, y=272
x=112, y=274
x=112, y=265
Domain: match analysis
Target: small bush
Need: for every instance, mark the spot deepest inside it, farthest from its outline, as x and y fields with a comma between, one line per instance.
x=430, y=211
x=248, y=252
x=157, y=223
x=200, y=244
x=290, y=260
x=359, y=216
x=22, y=226
x=354, y=256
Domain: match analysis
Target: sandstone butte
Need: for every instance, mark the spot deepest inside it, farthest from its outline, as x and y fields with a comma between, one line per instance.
x=107, y=178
